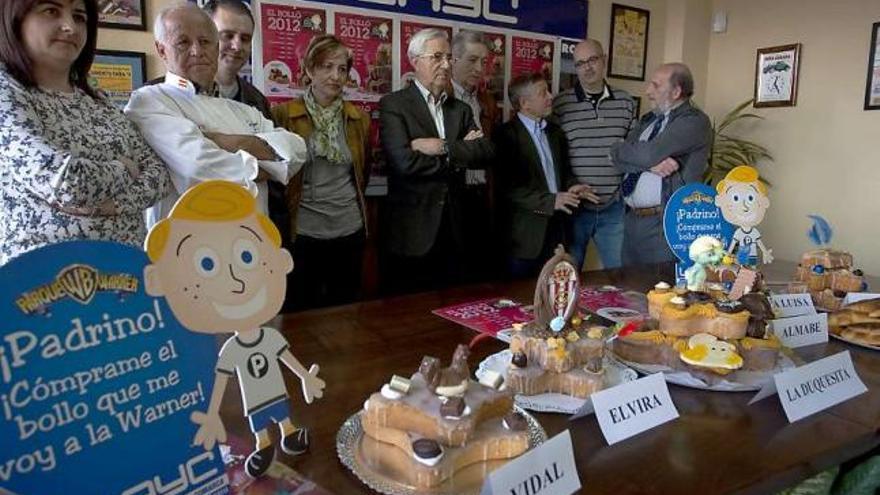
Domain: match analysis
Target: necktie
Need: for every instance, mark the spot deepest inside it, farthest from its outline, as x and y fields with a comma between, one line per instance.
x=546, y=159
x=630, y=180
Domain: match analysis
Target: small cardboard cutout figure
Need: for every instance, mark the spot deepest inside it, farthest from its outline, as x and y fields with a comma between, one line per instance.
x=706, y=252
x=743, y=201
x=219, y=264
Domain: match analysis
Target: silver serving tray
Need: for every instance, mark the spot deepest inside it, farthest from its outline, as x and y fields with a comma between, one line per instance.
x=361, y=454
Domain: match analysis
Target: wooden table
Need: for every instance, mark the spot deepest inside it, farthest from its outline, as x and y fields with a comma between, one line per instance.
x=719, y=444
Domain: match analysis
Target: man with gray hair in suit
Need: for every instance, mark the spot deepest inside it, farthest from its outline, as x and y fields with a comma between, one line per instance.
x=667, y=149
x=429, y=141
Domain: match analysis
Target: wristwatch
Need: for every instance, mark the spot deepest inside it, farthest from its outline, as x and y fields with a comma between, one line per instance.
x=445, y=149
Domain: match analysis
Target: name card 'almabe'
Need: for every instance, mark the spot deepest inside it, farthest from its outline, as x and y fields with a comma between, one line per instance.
x=814, y=387
x=801, y=331
x=788, y=305
x=548, y=469
x=633, y=407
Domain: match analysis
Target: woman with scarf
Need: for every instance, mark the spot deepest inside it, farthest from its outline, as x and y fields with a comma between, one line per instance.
x=326, y=199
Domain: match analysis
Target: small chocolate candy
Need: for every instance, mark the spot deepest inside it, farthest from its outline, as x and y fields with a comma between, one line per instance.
x=858, y=273
x=758, y=305
x=520, y=360
x=729, y=306
x=453, y=407
x=840, y=293
x=425, y=448
x=760, y=311
x=694, y=297
x=515, y=422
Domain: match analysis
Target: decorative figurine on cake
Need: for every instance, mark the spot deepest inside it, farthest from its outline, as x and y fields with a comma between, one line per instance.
x=557, y=352
x=743, y=201
x=220, y=266
x=706, y=252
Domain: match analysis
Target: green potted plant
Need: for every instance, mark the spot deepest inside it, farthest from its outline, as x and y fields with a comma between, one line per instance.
x=729, y=151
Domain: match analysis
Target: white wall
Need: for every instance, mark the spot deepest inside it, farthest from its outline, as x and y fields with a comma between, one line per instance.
x=826, y=147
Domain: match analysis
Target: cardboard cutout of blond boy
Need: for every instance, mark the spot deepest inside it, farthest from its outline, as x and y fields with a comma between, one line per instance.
x=219, y=264
x=743, y=201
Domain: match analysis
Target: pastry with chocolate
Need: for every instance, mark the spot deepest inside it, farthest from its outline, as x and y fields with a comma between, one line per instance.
x=697, y=312
x=557, y=352
x=711, y=334
x=828, y=275
x=439, y=421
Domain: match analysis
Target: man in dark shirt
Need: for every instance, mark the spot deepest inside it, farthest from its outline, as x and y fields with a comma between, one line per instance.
x=235, y=25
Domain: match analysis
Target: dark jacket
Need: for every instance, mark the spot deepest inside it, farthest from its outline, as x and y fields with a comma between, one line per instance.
x=687, y=138
x=420, y=187
x=525, y=202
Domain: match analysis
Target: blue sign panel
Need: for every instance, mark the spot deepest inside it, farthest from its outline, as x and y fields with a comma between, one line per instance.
x=98, y=380
x=691, y=213
x=567, y=18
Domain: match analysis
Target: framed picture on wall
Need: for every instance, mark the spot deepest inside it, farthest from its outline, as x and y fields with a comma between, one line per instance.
x=122, y=14
x=116, y=74
x=628, y=48
x=872, y=86
x=776, y=76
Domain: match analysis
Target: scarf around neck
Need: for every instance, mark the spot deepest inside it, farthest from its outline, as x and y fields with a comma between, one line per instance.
x=327, y=122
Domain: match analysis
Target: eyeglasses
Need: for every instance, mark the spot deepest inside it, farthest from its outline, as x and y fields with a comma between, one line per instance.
x=438, y=57
x=592, y=61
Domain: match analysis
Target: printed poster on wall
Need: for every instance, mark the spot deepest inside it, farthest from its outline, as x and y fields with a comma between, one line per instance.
x=286, y=32
x=369, y=39
x=532, y=55
x=407, y=30
x=117, y=74
x=567, y=72
x=496, y=65
x=98, y=380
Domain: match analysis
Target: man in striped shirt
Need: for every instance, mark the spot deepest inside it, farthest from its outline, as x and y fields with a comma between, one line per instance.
x=594, y=116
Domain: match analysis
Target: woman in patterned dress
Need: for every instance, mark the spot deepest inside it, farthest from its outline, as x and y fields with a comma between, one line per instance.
x=71, y=166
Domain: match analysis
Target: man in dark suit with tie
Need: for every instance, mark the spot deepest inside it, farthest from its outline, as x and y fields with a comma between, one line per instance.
x=667, y=149
x=429, y=141
x=536, y=189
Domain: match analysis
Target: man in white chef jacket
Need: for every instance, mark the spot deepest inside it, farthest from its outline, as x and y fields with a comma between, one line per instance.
x=199, y=135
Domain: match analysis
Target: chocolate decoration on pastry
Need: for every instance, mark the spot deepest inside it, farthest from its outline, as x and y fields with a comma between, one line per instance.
x=594, y=364
x=429, y=369
x=457, y=372
x=520, y=360
x=729, y=306
x=695, y=297
x=760, y=311
x=839, y=293
x=858, y=273
x=515, y=422
x=425, y=448
x=453, y=407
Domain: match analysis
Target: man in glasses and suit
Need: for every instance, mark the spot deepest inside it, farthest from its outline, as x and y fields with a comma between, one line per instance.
x=536, y=191
x=430, y=140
